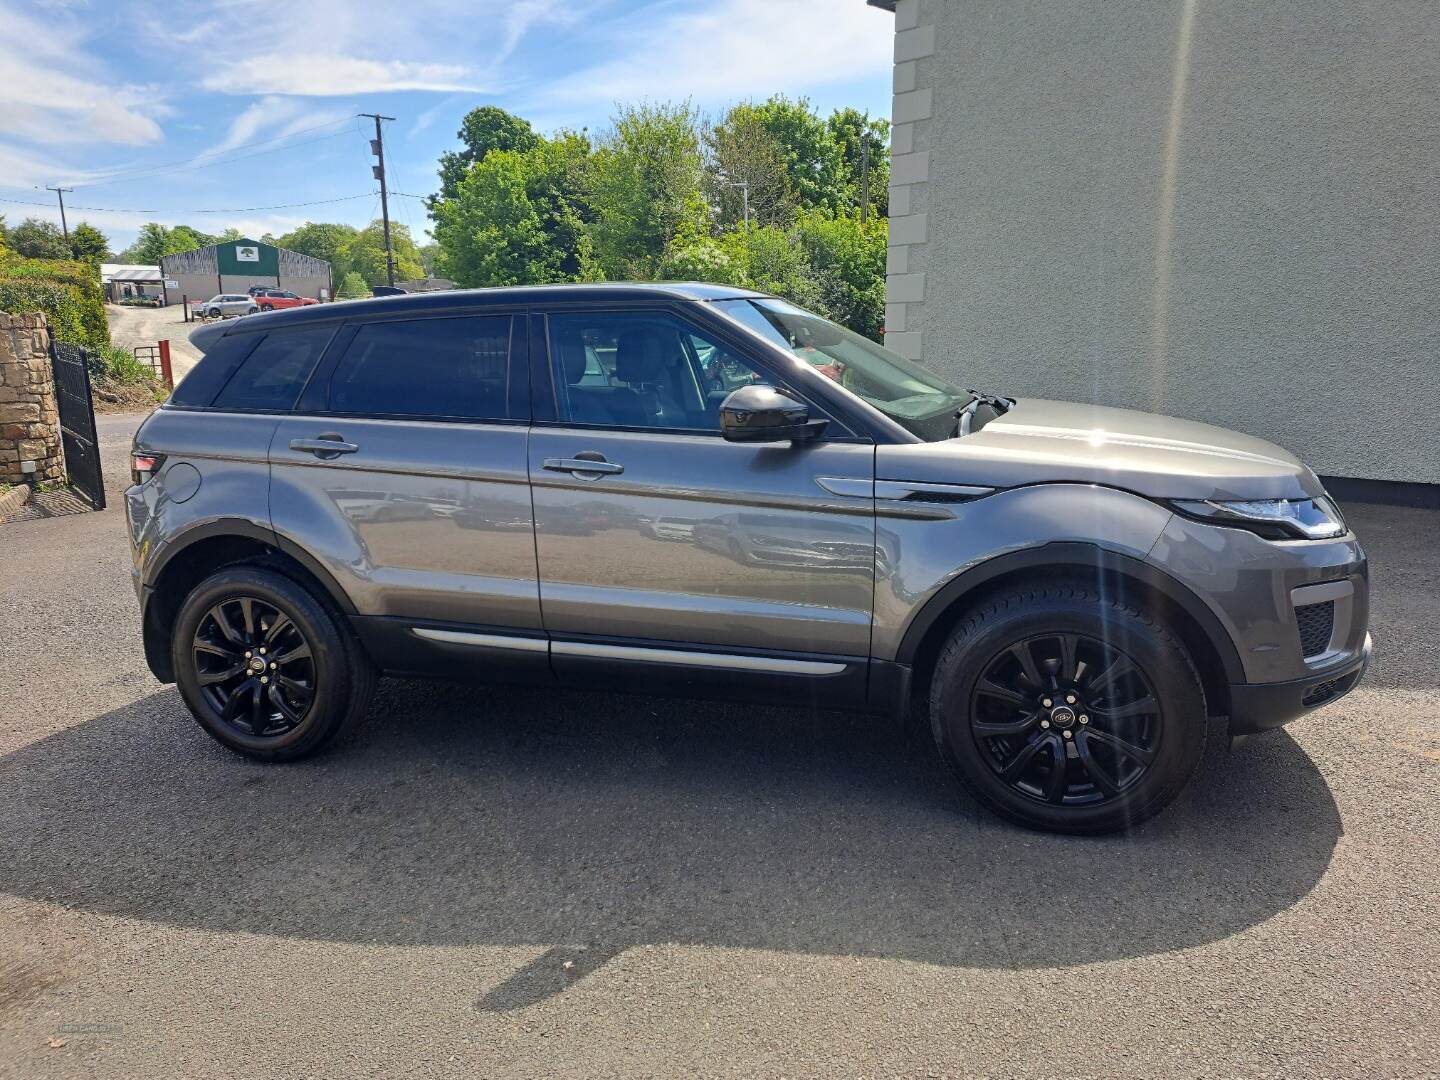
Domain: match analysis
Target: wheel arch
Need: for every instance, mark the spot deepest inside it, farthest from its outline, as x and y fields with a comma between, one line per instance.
x=1199, y=629
x=202, y=550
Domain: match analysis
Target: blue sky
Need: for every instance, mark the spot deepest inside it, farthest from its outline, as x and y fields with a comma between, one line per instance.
x=152, y=112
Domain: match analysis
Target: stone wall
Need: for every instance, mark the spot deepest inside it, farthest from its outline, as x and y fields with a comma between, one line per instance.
x=29, y=417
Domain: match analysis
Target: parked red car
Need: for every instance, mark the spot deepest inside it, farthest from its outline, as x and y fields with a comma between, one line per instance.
x=275, y=299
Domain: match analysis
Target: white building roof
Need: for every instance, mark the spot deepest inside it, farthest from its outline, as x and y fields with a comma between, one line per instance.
x=130, y=272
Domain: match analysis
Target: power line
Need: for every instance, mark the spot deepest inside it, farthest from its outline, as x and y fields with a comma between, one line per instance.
x=231, y=210
x=199, y=161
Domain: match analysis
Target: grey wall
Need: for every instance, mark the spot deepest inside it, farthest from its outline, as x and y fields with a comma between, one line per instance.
x=1255, y=242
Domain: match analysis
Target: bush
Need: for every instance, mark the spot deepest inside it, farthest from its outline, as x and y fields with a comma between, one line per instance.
x=114, y=364
x=352, y=287
x=68, y=293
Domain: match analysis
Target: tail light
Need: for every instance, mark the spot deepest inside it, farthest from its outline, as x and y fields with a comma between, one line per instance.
x=144, y=466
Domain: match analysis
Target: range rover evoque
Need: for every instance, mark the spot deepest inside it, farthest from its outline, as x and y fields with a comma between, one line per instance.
x=700, y=490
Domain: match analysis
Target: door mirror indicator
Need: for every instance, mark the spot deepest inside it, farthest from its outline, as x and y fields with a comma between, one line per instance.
x=761, y=413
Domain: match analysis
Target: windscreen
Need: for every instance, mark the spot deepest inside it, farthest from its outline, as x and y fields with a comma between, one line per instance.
x=915, y=398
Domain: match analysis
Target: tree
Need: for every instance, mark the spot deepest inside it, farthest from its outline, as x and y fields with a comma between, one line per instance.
x=814, y=166
x=852, y=131
x=322, y=240
x=847, y=266
x=89, y=244
x=155, y=241
x=645, y=175
x=352, y=287
x=36, y=239
x=741, y=151
x=365, y=254
x=518, y=218
x=483, y=130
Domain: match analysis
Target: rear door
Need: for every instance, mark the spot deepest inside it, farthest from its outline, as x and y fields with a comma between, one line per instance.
x=404, y=472
x=654, y=534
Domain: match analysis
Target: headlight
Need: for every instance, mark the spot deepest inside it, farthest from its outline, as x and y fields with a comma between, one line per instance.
x=1275, y=519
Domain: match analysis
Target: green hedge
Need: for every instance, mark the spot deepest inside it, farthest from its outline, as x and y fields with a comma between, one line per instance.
x=68, y=293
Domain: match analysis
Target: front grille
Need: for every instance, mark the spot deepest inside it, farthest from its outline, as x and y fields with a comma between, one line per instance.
x=1328, y=690
x=1316, y=622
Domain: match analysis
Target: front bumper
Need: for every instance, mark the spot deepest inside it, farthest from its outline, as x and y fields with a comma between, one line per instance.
x=1260, y=706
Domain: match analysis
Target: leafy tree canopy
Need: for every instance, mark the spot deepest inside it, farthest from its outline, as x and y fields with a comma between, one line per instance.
x=89, y=244
x=36, y=239
x=364, y=254
x=483, y=130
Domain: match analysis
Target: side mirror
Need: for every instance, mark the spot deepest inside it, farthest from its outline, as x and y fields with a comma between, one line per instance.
x=761, y=413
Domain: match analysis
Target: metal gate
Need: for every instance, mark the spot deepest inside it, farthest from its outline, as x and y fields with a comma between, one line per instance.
x=77, y=421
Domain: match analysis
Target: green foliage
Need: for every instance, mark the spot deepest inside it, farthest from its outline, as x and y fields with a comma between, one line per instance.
x=352, y=287
x=115, y=364
x=854, y=132
x=518, y=218
x=644, y=176
x=68, y=293
x=88, y=244
x=36, y=239
x=322, y=240
x=483, y=130
x=656, y=197
x=364, y=254
x=847, y=261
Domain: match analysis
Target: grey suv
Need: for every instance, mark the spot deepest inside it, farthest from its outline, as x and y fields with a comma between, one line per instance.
x=704, y=491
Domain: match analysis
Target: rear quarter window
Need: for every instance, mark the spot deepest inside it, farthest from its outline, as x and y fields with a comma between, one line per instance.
x=272, y=376
x=199, y=387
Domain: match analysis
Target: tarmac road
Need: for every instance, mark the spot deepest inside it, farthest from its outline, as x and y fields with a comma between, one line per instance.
x=735, y=891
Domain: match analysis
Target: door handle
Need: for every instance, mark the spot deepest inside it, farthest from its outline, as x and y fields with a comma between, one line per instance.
x=584, y=468
x=328, y=445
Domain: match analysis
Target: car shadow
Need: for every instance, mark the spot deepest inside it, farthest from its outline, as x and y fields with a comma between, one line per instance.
x=585, y=824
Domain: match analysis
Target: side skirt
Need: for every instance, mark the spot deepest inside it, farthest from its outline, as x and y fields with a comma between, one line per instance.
x=503, y=655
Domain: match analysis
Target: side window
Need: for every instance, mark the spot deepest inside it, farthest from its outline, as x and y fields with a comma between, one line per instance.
x=636, y=369
x=276, y=370
x=456, y=368
x=198, y=389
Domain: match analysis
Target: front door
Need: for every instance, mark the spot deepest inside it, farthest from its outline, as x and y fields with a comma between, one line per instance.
x=656, y=537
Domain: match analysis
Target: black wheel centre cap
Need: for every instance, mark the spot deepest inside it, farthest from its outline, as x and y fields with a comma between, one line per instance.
x=1062, y=716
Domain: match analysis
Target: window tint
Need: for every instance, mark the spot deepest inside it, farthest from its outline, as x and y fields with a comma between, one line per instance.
x=273, y=375
x=426, y=367
x=199, y=388
x=641, y=370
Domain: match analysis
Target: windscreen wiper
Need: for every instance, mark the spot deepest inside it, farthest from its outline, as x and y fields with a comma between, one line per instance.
x=965, y=417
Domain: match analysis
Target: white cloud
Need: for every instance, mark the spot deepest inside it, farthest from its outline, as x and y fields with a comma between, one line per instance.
x=50, y=92
x=333, y=75
x=272, y=118
x=731, y=49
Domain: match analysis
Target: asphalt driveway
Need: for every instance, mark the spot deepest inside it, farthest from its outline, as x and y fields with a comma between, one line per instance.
x=500, y=882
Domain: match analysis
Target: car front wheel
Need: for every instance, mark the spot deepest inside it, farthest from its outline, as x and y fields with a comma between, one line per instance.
x=265, y=667
x=1066, y=709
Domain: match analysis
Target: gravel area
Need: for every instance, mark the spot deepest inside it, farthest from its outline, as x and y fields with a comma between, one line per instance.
x=494, y=882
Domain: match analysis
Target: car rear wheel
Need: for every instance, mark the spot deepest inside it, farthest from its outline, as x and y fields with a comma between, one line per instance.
x=1066, y=709
x=265, y=667
x=267, y=307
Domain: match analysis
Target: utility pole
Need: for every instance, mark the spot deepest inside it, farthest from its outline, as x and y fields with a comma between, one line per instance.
x=864, y=178
x=377, y=147
x=60, y=194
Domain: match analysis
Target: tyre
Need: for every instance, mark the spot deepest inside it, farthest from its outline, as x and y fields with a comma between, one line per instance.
x=266, y=667
x=1067, y=710
x=267, y=307
x=214, y=313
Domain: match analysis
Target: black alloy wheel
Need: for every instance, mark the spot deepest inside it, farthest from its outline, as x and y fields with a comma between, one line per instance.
x=1067, y=707
x=1066, y=719
x=254, y=666
x=267, y=666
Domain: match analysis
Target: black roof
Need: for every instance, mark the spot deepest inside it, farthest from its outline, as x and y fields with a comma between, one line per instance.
x=433, y=303
x=469, y=299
